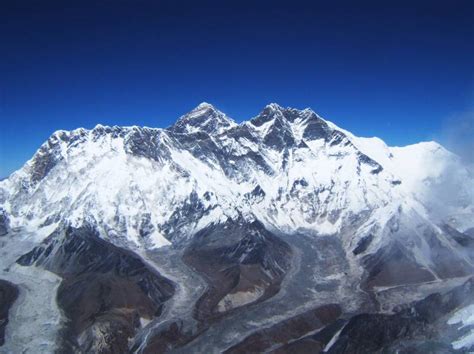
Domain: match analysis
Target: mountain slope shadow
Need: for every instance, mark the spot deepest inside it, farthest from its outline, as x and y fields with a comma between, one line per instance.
x=8, y=295
x=418, y=327
x=105, y=290
x=242, y=262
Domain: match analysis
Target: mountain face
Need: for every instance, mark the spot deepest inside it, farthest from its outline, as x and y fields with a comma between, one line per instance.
x=283, y=233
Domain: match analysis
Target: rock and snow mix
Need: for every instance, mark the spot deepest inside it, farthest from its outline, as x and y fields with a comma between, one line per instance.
x=289, y=168
x=145, y=188
x=464, y=319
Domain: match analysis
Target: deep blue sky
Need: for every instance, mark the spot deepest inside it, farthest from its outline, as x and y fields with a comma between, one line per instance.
x=394, y=69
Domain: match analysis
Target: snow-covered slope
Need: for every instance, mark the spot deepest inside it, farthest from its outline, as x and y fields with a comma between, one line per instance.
x=430, y=173
x=288, y=168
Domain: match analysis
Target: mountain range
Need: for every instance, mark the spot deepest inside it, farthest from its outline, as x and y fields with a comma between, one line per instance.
x=284, y=233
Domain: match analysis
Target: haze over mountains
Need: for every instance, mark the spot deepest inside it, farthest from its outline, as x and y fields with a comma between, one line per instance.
x=283, y=233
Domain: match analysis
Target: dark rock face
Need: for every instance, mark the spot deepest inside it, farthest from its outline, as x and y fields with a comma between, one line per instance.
x=203, y=147
x=314, y=343
x=469, y=232
x=204, y=117
x=171, y=335
x=146, y=227
x=109, y=303
x=446, y=264
x=463, y=239
x=316, y=129
x=105, y=290
x=49, y=153
x=279, y=136
x=393, y=265
x=368, y=333
x=377, y=168
x=237, y=259
x=293, y=328
x=266, y=115
x=256, y=194
x=101, y=130
x=4, y=223
x=192, y=209
x=8, y=295
x=363, y=244
x=418, y=327
x=337, y=138
x=256, y=159
x=45, y=160
x=145, y=142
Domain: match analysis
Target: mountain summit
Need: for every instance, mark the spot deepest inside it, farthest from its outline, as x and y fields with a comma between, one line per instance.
x=203, y=118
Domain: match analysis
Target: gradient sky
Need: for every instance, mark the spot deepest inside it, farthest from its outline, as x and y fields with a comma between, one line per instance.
x=394, y=69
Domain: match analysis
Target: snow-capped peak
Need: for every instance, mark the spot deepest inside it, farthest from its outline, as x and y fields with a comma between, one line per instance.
x=204, y=105
x=270, y=112
x=274, y=106
x=204, y=118
x=288, y=167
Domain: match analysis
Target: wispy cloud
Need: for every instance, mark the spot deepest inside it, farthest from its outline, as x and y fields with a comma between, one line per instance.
x=458, y=135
